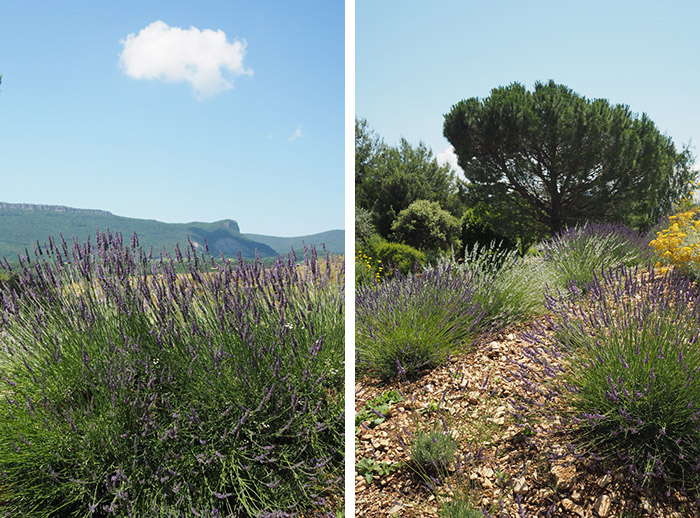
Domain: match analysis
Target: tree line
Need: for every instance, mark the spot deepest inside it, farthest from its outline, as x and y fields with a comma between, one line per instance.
x=535, y=162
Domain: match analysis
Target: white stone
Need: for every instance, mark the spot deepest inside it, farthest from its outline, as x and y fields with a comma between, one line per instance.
x=602, y=506
x=521, y=486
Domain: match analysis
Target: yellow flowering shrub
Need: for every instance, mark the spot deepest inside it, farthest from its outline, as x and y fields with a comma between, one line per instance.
x=678, y=245
x=367, y=269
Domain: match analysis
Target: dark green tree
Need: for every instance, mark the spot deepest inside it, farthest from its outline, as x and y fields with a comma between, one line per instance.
x=426, y=226
x=566, y=159
x=368, y=148
x=389, y=178
x=477, y=229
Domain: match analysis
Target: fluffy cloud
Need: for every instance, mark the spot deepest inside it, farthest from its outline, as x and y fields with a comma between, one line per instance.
x=449, y=157
x=173, y=54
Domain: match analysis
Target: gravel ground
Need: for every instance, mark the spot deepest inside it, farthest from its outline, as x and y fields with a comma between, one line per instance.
x=500, y=467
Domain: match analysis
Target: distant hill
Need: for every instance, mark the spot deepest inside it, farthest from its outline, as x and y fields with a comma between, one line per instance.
x=334, y=240
x=22, y=224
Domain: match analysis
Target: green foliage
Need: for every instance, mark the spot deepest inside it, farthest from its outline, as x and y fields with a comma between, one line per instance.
x=363, y=224
x=371, y=468
x=388, y=179
x=432, y=453
x=629, y=360
x=426, y=226
x=409, y=323
x=380, y=404
x=580, y=253
x=511, y=289
x=9, y=281
x=460, y=507
x=566, y=158
x=332, y=241
x=152, y=393
x=368, y=148
x=21, y=228
x=477, y=229
x=394, y=256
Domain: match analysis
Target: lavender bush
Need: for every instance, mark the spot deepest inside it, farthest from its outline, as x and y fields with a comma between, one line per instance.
x=626, y=365
x=577, y=253
x=433, y=452
x=509, y=288
x=130, y=389
x=460, y=507
x=411, y=322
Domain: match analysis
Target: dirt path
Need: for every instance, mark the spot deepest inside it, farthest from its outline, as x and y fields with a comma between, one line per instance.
x=500, y=467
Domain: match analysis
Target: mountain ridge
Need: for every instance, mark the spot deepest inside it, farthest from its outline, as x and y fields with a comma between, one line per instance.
x=24, y=224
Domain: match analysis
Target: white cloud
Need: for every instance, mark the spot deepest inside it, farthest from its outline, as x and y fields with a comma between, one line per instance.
x=173, y=54
x=297, y=134
x=449, y=157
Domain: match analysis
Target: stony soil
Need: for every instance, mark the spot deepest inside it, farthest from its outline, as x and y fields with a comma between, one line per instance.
x=501, y=468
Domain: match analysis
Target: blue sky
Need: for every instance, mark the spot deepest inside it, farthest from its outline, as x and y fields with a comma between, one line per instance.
x=415, y=60
x=178, y=122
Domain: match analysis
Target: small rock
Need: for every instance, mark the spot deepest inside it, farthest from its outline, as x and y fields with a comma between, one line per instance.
x=486, y=472
x=576, y=497
x=602, y=506
x=571, y=507
x=605, y=480
x=546, y=494
x=564, y=476
x=646, y=505
x=473, y=397
x=521, y=487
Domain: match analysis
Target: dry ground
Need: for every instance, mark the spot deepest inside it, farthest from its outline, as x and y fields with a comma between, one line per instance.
x=500, y=467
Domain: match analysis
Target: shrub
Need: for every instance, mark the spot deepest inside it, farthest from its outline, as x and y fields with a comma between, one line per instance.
x=412, y=322
x=134, y=390
x=368, y=269
x=477, y=231
x=579, y=253
x=510, y=288
x=626, y=364
x=678, y=245
x=403, y=258
x=394, y=256
x=433, y=453
x=460, y=507
x=363, y=224
x=426, y=226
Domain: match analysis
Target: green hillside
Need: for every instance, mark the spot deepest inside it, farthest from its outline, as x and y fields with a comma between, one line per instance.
x=334, y=240
x=21, y=225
